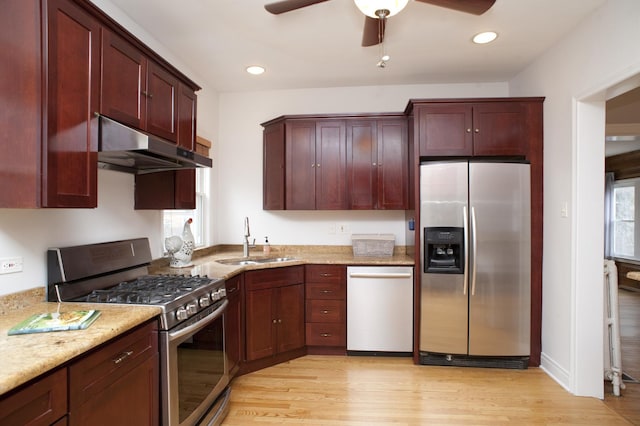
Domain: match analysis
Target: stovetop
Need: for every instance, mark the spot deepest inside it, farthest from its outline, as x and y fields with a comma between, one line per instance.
x=179, y=296
x=117, y=272
x=159, y=290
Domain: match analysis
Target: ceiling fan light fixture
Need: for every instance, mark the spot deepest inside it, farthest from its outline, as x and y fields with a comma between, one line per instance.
x=485, y=37
x=371, y=7
x=255, y=69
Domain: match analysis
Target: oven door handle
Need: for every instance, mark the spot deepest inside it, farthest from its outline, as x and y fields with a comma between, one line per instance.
x=198, y=324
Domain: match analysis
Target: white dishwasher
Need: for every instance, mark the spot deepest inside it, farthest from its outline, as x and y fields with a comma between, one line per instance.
x=380, y=309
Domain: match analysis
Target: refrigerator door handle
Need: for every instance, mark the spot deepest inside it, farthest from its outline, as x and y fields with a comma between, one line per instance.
x=465, y=227
x=474, y=251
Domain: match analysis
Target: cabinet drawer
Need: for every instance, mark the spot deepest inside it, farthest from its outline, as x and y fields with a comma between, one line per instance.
x=325, y=274
x=326, y=334
x=326, y=291
x=326, y=311
x=276, y=277
x=41, y=403
x=106, y=365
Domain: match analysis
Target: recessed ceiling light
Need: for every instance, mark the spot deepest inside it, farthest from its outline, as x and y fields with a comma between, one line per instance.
x=255, y=69
x=486, y=37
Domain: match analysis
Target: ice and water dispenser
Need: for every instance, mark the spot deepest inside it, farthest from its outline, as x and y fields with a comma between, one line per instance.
x=444, y=250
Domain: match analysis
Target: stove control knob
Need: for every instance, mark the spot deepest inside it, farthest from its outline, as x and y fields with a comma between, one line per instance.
x=204, y=301
x=215, y=295
x=192, y=308
x=223, y=292
x=181, y=314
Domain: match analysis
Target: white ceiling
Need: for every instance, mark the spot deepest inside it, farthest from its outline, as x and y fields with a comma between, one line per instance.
x=320, y=45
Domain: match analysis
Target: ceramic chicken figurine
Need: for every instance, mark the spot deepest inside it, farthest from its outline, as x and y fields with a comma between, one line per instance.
x=181, y=248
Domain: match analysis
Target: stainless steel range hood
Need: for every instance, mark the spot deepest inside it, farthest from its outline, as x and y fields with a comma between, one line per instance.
x=129, y=150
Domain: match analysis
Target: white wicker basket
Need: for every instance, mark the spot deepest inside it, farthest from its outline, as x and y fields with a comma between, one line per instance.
x=380, y=245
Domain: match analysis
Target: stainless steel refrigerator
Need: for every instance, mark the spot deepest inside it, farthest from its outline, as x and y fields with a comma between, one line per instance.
x=475, y=263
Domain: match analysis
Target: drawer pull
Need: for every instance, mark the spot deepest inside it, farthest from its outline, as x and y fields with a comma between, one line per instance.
x=122, y=357
x=326, y=291
x=325, y=311
x=325, y=274
x=325, y=334
x=231, y=290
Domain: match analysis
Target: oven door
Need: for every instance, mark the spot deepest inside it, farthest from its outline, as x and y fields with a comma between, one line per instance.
x=194, y=368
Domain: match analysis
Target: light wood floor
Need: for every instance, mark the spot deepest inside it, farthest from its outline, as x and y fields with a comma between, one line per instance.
x=628, y=404
x=331, y=390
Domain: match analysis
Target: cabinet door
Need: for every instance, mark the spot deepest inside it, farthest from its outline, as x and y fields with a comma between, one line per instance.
x=187, y=113
x=70, y=171
x=362, y=164
x=233, y=323
x=155, y=191
x=290, y=317
x=393, y=165
x=124, y=71
x=260, y=323
x=273, y=167
x=445, y=129
x=119, y=383
x=331, y=165
x=499, y=129
x=300, y=149
x=161, y=98
x=39, y=404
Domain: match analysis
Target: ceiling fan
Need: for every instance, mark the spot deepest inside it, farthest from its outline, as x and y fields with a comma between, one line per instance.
x=376, y=12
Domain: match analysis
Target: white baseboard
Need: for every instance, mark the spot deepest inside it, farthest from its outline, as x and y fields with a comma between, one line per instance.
x=555, y=371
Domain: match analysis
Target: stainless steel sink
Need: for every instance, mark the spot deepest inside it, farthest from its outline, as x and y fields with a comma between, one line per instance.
x=254, y=260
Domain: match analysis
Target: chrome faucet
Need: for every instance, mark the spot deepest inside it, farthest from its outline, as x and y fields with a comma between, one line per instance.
x=245, y=242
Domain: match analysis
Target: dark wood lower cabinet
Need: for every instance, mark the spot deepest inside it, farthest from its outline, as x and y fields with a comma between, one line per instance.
x=118, y=383
x=326, y=308
x=115, y=384
x=274, y=316
x=234, y=330
x=39, y=404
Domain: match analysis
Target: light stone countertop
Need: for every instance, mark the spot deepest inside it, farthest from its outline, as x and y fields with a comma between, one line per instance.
x=205, y=261
x=27, y=356
x=634, y=275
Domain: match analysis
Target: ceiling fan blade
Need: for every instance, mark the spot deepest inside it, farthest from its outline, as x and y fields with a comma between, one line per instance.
x=289, y=5
x=475, y=7
x=373, y=32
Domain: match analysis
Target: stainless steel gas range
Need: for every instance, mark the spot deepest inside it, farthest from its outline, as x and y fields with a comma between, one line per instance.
x=193, y=365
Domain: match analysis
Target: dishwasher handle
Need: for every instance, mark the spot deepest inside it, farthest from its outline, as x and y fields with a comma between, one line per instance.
x=380, y=275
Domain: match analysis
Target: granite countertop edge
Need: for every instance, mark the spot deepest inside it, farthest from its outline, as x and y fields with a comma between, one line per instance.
x=28, y=356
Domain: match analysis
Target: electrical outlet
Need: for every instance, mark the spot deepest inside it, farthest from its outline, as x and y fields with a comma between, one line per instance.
x=9, y=265
x=343, y=228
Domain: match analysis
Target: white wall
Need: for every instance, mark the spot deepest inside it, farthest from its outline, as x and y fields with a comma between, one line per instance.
x=240, y=167
x=573, y=76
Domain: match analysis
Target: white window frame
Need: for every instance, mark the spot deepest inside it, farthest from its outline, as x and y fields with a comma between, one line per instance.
x=625, y=183
x=173, y=220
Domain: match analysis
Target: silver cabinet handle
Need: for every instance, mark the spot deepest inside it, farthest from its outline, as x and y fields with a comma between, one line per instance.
x=325, y=334
x=325, y=312
x=122, y=357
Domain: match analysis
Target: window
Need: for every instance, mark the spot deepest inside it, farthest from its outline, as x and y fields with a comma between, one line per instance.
x=173, y=220
x=625, y=235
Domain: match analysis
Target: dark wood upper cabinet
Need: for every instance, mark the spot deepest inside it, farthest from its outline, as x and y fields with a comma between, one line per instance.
x=63, y=62
x=300, y=174
x=315, y=165
x=377, y=164
x=273, y=166
x=331, y=165
x=335, y=163
x=49, y=138
x=135, y=90
x=175, y=189
x=492, y=128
